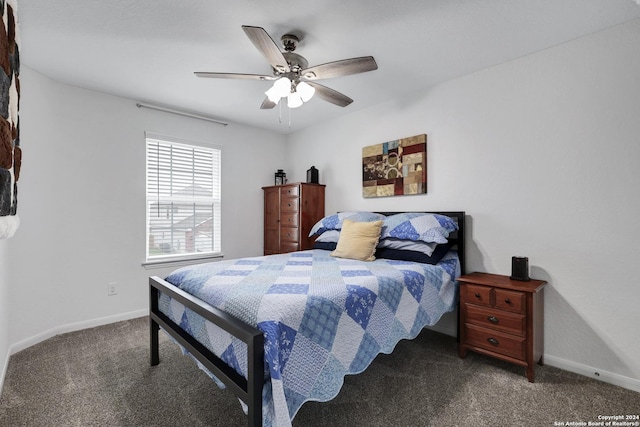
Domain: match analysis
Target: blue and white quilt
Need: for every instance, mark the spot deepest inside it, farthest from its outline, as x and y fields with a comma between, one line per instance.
x=322, y=317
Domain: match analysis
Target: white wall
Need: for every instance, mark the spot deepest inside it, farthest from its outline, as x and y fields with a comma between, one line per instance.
x=4, y=309
x=82, y=204
x=542, y=153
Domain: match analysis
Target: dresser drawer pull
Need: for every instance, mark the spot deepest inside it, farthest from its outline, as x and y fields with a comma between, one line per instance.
x=507, y=300
x=477, y=295
x=493, y=341
x=493, y=319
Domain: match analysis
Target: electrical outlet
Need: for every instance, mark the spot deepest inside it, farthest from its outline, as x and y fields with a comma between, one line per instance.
x=112, y=288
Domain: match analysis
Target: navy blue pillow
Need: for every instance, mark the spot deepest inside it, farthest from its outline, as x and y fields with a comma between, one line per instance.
x=399, y=254
x=327, y=246
x=415, y=256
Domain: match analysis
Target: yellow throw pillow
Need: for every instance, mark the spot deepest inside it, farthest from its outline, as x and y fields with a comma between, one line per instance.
x=358, y=240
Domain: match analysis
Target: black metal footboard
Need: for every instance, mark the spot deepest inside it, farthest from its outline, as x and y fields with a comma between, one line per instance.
x=248, y=390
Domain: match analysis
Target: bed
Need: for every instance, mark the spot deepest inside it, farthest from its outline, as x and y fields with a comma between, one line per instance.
x=280, y=330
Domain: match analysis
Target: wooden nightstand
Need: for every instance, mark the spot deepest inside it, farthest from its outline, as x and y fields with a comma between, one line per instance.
x=502, y=318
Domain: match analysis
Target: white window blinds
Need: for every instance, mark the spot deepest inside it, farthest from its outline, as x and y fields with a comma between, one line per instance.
x=183, y=199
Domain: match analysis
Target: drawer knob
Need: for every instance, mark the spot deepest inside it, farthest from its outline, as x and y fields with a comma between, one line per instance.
x=493, y=319
x=493, y=341
x=477, y=295
x=507, y=300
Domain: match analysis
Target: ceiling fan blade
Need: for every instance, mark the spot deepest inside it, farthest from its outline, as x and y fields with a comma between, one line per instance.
x=267, y=104
x=233, y=76
x=330, y=95
x=344, y=67
x=267, y=47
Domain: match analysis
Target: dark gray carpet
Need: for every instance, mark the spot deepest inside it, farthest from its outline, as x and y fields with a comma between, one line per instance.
x=101, y=377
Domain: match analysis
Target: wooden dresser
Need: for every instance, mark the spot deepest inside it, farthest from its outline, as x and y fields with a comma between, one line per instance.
x=290, y=211
x=502, y=318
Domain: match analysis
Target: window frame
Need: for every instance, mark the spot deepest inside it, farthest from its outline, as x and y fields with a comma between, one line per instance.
x=184, y=258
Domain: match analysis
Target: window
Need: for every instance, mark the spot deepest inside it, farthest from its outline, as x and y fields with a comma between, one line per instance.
x=183, y=199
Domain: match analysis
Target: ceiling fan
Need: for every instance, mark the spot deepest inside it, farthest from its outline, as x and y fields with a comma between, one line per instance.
x=292, y=76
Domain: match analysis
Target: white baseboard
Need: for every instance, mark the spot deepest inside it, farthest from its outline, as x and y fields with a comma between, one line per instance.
x=591, y=372
x=71, y=327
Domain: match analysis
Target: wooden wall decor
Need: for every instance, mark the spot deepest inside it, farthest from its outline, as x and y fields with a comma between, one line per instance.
x=395, y=168
x=10, y=151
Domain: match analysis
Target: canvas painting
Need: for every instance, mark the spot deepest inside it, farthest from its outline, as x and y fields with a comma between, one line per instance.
x=395, y=168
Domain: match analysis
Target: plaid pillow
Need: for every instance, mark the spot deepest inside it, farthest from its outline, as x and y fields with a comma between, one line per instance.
x=426, y=227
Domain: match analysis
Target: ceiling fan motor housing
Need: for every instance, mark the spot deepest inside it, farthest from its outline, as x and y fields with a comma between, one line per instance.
x=289, y=42
x=296, y=62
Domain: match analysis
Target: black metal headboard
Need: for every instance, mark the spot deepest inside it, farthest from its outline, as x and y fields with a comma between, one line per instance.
x=458, y=237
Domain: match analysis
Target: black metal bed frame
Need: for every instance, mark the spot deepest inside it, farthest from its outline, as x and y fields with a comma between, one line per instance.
x=249, y=390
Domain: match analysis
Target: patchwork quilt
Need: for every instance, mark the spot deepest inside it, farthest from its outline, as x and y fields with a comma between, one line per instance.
x=322, y=317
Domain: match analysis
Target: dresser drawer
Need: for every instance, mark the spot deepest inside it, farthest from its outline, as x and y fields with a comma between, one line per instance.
x=289, y=219
x=290, y=190
x=497, y=319
x=286, y=247
x=497, y=342
x=480, y=295
x=289, y=234
x=511, y=300
x=289, y=204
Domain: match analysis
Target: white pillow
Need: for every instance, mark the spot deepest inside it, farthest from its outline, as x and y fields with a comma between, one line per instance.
x=408, y=245
x=330, y=236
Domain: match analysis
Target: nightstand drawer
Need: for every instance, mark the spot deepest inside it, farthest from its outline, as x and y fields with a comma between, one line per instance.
x=497, y=319
x=495, y=341
x=511, y=300
x=480, y=295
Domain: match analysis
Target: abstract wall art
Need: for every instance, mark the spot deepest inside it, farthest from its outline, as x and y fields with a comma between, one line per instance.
x=10, y=151
x=395, y=168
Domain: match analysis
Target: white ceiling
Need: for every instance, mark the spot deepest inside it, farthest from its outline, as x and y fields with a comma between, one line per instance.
x=147, y=50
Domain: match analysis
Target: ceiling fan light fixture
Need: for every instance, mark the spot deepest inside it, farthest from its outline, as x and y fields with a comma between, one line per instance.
x=306, y=91
x=280, y=89
x=294, y=100
x=273, y=95
x=283, y=86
